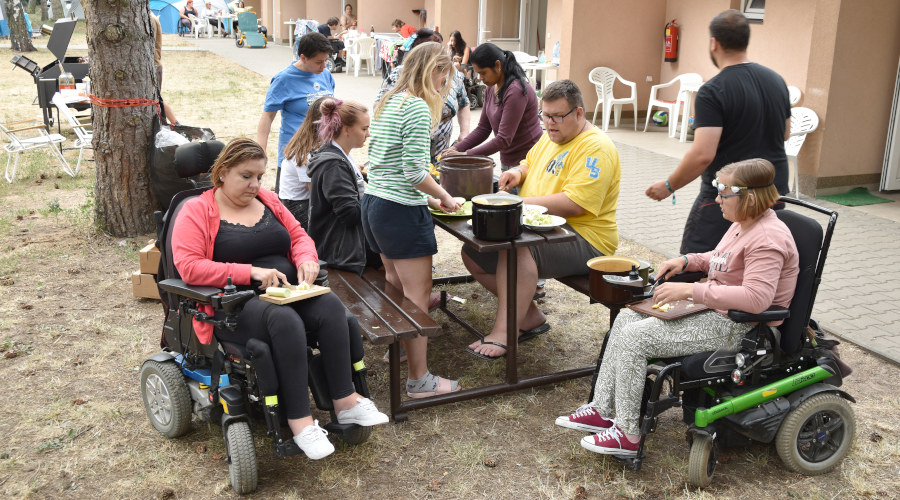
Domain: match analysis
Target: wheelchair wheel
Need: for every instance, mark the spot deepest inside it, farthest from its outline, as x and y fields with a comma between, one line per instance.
x=817, y=435
x=703, y=460
x=329, y=65
x=359, y=435
x=166, y=398
x=241, y=458
x=239, y=41
x=473, y=100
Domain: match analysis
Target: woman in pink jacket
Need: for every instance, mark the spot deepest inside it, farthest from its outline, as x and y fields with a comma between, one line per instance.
x=754, y=267
x=241, y=231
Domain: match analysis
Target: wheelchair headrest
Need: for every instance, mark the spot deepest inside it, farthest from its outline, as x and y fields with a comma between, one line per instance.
x=196, y=157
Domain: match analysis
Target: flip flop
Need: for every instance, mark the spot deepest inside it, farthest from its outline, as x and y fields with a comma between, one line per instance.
x=534, y=332
x=485, y=356
x=445, y=386
x=435, y=301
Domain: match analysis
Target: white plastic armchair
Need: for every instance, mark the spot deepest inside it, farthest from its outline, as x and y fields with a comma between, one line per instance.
x=794, y=94
x=603, y=79
x=672, y=107
x=803, y=122
x=84, y=134
x=199, y=23
x=361, y=50
x=27, y=135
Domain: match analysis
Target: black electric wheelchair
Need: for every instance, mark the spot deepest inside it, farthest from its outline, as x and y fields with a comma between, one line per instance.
x=781, y=386
x=222, y=382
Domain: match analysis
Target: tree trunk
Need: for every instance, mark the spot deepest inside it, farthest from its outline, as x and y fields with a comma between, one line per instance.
x=45, y=11
x=120, y=45
x=18, y=31
x=58, y=11
x=29, y=8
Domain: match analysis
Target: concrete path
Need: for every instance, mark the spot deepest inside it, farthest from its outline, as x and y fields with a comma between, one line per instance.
x=859, y=298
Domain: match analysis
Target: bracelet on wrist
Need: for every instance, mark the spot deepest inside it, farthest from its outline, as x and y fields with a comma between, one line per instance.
x=685, y=262
x=672, y=191
x=521, y=173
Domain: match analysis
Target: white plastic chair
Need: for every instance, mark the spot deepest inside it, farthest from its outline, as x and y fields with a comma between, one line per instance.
x=361, y=50
x=19, y=141
x=198, y=24
x=84, y=135
x=524, y=57
x=603, y=79
x=672, y=107
x=794, y=94
x=803, y=122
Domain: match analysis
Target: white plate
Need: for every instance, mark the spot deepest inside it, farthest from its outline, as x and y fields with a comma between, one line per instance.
x=533, y=208
x=557, y=222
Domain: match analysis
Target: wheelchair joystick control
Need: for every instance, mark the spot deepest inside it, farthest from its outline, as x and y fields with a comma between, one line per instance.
x=229, y=287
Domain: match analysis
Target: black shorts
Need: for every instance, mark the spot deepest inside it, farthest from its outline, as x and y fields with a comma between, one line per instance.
x=398, y=231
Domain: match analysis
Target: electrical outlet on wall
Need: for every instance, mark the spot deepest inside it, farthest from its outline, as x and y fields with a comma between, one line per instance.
x=649, y=78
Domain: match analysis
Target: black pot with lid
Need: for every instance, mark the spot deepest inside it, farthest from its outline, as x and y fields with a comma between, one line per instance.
x=497, y=216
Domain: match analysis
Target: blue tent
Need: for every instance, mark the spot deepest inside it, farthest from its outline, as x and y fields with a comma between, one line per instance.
x=167, y=13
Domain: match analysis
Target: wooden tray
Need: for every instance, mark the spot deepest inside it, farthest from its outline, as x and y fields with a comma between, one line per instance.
x=314, y=291
x=677, y=309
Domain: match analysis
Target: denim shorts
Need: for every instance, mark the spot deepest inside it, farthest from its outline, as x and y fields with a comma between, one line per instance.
x=398, y=231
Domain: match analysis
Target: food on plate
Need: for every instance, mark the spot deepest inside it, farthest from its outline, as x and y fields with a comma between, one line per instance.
x=537, y=219
x=533, y=210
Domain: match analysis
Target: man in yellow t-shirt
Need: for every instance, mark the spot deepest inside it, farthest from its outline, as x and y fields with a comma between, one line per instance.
x=573, y=170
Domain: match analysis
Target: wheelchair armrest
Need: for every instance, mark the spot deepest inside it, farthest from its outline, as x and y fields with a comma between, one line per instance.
x=179, y=287
x=773, y=313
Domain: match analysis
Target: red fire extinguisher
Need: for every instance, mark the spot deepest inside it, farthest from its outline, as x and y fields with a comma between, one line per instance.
x=671, y=41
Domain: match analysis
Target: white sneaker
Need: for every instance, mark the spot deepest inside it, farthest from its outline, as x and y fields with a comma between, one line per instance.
x=313, y=440
x=364, y=413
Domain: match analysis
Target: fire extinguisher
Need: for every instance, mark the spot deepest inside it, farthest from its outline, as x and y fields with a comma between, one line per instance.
x=671, y=41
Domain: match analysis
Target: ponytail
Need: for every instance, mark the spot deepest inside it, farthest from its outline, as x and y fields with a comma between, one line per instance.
x=330, y=124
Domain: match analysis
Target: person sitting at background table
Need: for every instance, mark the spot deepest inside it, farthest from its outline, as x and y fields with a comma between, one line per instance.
x=402, y=28
x=240, y=231
x=458, y=49
x=753, y=267
x=337, y=45
x=348, y=20
x=456, y=104
x=510, y=110
x=295, y=180
x=573, y=170
x=337, y=188
x=186, y=12
x=210, y=15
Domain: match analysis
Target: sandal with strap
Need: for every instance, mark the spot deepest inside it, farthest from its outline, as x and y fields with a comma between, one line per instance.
x=430, y=385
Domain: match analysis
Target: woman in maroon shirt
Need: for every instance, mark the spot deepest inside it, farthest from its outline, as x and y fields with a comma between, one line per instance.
x=510, y=109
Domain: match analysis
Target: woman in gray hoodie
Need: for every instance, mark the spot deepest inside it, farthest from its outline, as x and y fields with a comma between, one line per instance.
x=337, y=187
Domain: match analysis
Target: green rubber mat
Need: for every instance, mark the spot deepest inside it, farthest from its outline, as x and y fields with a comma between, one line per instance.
x=855, y=197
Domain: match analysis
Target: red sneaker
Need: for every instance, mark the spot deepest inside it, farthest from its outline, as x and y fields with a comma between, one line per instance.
x=610, y=442
x=585, y=419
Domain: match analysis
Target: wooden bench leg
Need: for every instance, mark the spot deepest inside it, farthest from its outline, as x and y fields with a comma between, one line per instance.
x=395, y=382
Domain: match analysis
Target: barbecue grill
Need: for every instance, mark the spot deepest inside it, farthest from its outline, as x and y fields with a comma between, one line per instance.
x=47, y=78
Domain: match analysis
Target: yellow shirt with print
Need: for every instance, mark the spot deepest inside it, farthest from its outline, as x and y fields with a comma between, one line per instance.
x=587, y=170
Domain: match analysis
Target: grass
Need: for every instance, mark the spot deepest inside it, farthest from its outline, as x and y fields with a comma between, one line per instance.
x=84, y=337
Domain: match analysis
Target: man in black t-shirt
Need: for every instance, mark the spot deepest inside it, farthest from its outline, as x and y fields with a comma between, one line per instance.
x=741, y=113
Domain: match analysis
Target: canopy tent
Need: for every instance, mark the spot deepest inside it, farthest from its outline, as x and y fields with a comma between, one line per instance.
x=167, y=13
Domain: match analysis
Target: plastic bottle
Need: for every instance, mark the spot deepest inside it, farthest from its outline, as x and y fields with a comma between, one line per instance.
x=372, y=31
x=66, y=81
x=556, y=53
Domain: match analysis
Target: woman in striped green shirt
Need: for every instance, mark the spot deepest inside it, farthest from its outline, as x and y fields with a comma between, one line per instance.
x=395, y=215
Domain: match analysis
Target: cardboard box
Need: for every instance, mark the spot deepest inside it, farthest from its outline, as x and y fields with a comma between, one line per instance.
x=144, y=285
x=150, y=258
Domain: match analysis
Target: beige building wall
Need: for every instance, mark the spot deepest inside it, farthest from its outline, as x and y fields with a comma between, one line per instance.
x=381, y=13
x=452, y=15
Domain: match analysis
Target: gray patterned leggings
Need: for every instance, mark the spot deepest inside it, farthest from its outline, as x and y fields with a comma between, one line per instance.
x=636, y=338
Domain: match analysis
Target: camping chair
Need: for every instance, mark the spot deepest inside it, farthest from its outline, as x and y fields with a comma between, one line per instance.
x=83, y=132
x=672, y=107
x=604, y=79
x=19, y=142
x=362, y=50
x=803, y=122
x=247, y=25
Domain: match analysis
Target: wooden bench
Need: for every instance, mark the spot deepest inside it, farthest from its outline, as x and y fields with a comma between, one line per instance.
x=385, y=316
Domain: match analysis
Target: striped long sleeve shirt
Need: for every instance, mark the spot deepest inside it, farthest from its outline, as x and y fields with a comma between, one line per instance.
x=399, y=150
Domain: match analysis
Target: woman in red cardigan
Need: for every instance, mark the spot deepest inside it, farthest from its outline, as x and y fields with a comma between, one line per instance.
x=241, y=231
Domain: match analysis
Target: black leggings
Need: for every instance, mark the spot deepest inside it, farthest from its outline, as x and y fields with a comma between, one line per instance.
x=288, y=330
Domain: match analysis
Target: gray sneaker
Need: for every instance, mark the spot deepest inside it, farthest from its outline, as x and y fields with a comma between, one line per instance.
x=364, y=413
x=313, y=440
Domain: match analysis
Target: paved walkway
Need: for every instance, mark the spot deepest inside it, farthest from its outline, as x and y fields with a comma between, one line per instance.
x=859, y=298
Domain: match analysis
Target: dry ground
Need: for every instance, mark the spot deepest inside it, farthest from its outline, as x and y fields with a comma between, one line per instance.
x=73, y=339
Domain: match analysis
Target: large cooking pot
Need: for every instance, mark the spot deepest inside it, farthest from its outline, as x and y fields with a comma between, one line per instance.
x=496, y=217
x=602, y=291
x=467, y=176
